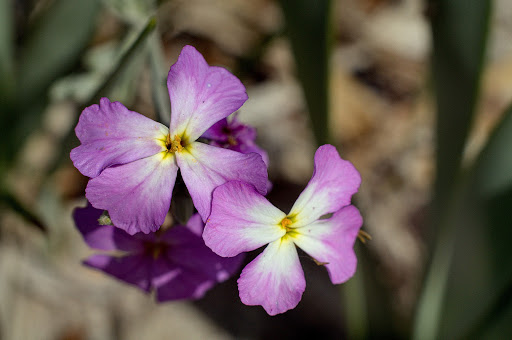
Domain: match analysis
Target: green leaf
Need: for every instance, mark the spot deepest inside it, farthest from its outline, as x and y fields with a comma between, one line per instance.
x=459, y=31
x=109, y=82
x=494, y=164
x=478, y=290
x=6, y=50
x=55, y=44
x=309, y=30
x=125, y=58
x=159, y=80
x=52, y=47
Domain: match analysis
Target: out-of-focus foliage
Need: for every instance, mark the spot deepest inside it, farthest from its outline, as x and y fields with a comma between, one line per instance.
x=459, y=32
x=6, y=50
x=50, y=48
x=494, y=166
x=478, y=296
x=466, y=292
x=309, y=30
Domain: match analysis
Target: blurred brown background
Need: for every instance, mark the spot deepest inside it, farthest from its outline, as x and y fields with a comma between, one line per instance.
x=381, y=119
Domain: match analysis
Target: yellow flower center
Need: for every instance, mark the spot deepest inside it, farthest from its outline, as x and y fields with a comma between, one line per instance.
x=285, y=223
x=174, y=145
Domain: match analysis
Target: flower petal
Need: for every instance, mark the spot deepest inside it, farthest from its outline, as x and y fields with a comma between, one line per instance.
x=205, y=167
x=235, y=136
x=195, y=224
x=188, y=250
x=331, y=241
x=241, y=220
x=200, y=94
x=111, y=134
x=331, y=187
x=221, y=131
x=199, y=268
x=103, y=237
x=137, y=195
x=217, y=131
x=133, y=269
x=252, y=147
x=186, y=285
x=274, y=279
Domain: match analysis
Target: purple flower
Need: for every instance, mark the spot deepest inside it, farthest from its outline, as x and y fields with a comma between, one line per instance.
x=133, y=161
x=233, y=135
x=243, y=220
x=175, y=263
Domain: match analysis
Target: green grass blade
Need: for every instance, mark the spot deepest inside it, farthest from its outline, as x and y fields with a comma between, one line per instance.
x=55, y=44
x=494, y=164
x=309, y=31
x=131, y=52
x=51, y=47
x=459, y=31
x=134, y=48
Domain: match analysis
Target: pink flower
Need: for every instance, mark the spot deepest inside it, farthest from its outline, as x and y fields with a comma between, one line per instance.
x=133, y=161
x=243, y=220
x=232, y=134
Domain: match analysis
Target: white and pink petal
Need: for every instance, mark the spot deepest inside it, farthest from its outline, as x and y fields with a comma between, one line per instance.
x=331, y=187
x=200, y=94
x=205, y=167
x=241, y=220
x=111, y=134
x=274, y=280
x=331, y=242
x=137, y=195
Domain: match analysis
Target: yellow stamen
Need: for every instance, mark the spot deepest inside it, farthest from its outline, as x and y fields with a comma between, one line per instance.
x=173, y=145
x=157, y=250
x=285, y=223
x=363, y=236
x=104, y=219
x=232, y=141
x=320, y=263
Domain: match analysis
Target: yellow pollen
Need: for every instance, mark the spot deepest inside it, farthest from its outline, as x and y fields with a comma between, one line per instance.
x=285, y=223
x=173, y=145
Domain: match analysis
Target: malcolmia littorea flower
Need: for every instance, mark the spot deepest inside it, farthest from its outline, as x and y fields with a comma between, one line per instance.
x=174, y=263
x=133, y=161
x=232, y=134
x=243, y=220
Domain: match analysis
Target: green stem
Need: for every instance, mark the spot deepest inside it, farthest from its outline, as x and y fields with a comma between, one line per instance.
x=497, y=308
x=130, y=52
x=356, y=315
x=160, y=94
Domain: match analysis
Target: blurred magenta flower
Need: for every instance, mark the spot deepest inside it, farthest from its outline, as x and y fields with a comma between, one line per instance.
x=175, y=263
x=243, y=220
x=133, y=161
x=232, y=134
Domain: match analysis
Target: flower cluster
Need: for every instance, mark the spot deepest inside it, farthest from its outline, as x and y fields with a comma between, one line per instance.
x=133, y=163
